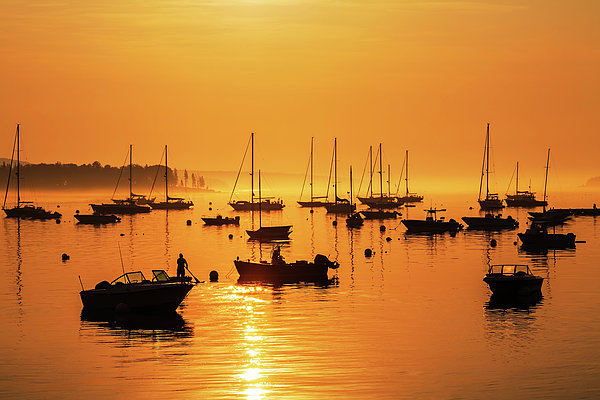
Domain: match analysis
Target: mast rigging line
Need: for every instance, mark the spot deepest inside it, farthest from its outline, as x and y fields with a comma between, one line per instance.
x=10, y=171
x=120, y=174
x=157, y=171
x=240, y=169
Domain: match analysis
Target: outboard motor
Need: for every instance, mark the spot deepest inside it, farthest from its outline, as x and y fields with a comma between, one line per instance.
x=320, y=259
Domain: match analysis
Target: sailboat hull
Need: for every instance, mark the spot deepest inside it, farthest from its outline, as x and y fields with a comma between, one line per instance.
x=262, y=206
x=268, y=233
x=31, y=213
x=120, y=208
x=313, y=203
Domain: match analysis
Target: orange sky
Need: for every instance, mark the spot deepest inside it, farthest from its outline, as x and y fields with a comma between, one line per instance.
x=85, y=79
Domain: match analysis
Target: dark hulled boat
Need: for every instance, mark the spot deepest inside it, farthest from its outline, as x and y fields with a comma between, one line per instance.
x=512, y=280
x=129, y=205
x=135, y=292
x=523, y=198
x=491, y=222
x=220, y=220
x=408, y=197
x=23, y=209
x=96, y=219
x=491, y=201
x=315, y=201
x=380, y=214
x=537, y=236
x=170, y=203
x=268, y=233
x=278, y=271
x=431, y=224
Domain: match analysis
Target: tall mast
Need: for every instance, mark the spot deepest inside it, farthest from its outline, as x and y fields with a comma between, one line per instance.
x=18, y=169
x=517, y=184
x=351, y=194
x=130, y=170
x=406, y=172
x=166, y=178
x=311, y=168
x=388, y=181
x=252, y=173
x=335, y=196
x=546, y=179
x=487, y=163
x=380, y=173
x=259, y=203
x=371, y=170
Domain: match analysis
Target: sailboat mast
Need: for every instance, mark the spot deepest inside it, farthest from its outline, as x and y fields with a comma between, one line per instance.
x=406, y=172
x=388, y=181
x=546, y=178
x=252, y=172
x=18, y=169
x=130, y=170
x=380, y=173
x=166, y=177
x=370, y=171
x=351, y=194
x=259, y=202
x=311, y=168
x=517, y=183
x=335, y=196
x=487, y=163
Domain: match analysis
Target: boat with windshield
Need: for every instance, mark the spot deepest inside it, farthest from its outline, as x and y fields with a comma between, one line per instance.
x=512, y=279
x=132, y=291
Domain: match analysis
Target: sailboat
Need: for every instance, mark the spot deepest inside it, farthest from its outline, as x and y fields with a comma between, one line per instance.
x=268, y=233
x=339, y=206
x=354, y=219
x=409, y=197
x=523, y=198
x=491, y=200
x=381, y=201
x=124, y=206
x=552, y=216
x=244, y=205
x=23, y=209
x=170, y=203
x=314, y=200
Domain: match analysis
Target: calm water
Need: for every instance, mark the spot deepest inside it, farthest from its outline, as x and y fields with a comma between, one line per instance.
x=413, y=321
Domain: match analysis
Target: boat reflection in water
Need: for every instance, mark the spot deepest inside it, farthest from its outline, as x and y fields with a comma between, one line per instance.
x=166, y=325
x=520, y=302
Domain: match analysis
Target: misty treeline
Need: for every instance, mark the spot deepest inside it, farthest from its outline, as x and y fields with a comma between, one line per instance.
x=88, y=176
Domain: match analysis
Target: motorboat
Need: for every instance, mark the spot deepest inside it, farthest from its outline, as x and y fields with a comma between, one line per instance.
x=491, y=222
x=512, y=279
x=432, y=224
x=96, y=219
x=132, y=291
x=537, y=236
x=220, y=220
x=279, y=271
x=380, y=214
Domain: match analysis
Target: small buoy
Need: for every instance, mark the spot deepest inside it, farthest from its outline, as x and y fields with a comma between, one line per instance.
x=334, y=223
x=209, y=208
x=368, y=252
x=493, y=243
x=382, y=228
x=388, y=239
x=122, y=234
x=76, y=211
x=65, y=256
x=470, y=208
x=515, y=242
x=188, y=222
x=122, y=308
x=311, y=211
x=230, y=236
x=58, y=206
x=214, y=276
x=58, y=221
x=210, y=203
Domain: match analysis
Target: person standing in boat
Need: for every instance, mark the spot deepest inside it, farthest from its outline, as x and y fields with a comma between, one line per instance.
x=181, y=266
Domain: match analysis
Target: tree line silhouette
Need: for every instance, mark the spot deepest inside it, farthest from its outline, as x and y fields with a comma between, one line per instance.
x=94, y=175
